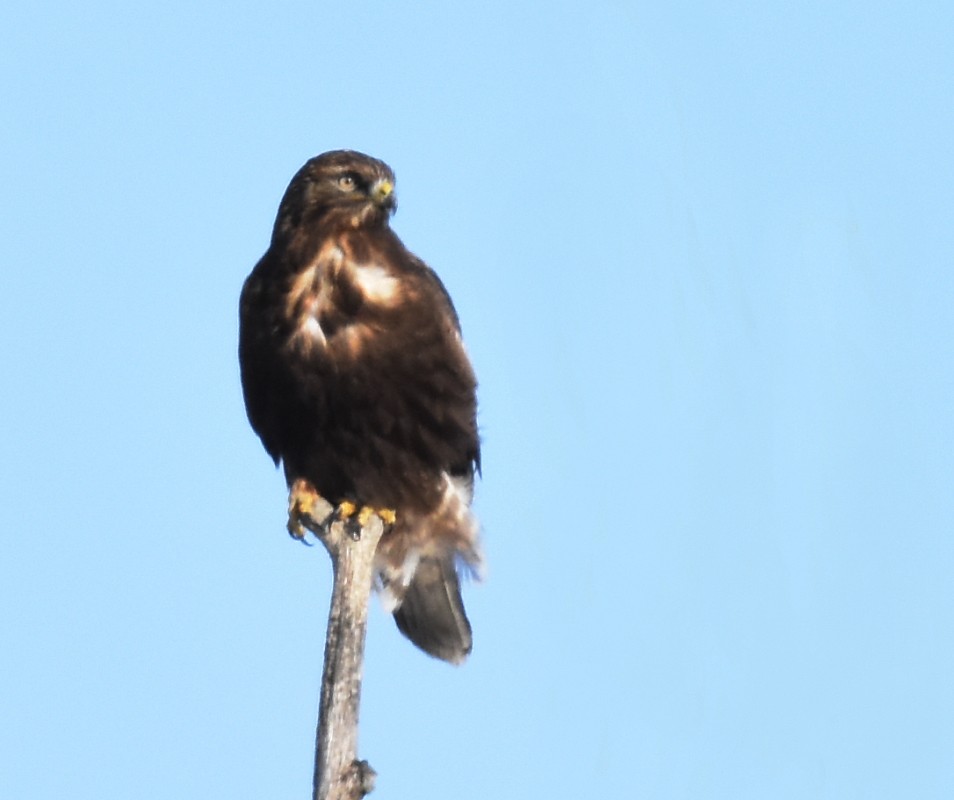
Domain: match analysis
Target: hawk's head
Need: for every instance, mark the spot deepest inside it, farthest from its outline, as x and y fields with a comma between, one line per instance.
x=338, y=189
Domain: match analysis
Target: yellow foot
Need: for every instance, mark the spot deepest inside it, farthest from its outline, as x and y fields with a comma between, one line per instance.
x=302, y=501
x=388, y=515
x=307, y=511
x=345, y=509
x=356, y=518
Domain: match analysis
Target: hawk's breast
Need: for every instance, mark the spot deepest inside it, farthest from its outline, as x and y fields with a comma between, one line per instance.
x=334, y=304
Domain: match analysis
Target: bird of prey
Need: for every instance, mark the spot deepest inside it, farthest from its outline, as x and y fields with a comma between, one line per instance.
x=356, y=379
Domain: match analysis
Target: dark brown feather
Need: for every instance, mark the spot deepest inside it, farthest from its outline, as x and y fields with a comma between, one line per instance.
x=432, y=612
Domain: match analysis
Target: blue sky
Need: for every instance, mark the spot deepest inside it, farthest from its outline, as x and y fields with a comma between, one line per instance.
x=702, y=255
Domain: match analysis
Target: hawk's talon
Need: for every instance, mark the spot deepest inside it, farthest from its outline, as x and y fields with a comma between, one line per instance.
x=353, y=528
x=302, y=501
x=351, y=519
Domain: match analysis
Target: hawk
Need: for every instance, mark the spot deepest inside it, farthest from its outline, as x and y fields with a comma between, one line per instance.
x=356, y=380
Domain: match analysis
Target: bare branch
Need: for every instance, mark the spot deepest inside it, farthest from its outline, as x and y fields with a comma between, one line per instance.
x=338, y=773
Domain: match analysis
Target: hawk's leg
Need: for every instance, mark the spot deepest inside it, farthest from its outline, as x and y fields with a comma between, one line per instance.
x=307, y=510
x=356, y=518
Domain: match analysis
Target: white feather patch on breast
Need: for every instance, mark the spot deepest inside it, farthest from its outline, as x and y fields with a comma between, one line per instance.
x=375, y=282
x=312, y=327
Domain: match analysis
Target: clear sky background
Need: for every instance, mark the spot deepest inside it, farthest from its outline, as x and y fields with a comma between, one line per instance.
x=702, y=253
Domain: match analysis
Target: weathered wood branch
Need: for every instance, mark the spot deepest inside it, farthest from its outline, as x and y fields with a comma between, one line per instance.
x=339, y=775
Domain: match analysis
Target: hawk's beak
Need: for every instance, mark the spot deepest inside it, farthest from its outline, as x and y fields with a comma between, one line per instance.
x=383, y=193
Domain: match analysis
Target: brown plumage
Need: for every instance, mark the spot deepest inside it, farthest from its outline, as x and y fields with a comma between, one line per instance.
x=356, y=379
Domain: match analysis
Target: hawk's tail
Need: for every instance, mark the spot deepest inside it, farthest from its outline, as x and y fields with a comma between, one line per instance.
x=431, y=613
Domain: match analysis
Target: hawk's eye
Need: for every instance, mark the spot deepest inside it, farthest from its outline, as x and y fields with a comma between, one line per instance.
x=347, y=183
